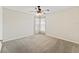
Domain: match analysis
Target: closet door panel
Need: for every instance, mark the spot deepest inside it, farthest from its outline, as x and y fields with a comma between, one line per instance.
x=42, y=25
x=37, y=24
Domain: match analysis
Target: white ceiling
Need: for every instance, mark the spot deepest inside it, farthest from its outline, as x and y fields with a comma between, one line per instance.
x=32, y=8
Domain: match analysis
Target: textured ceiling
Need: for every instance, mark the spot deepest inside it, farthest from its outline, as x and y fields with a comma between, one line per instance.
x=27, y=9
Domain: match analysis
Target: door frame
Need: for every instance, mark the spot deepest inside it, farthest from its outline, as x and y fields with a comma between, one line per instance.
x=39, y=25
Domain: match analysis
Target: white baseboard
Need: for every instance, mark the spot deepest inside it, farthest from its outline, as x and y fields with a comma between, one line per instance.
x=18, y=37
x=55, y=36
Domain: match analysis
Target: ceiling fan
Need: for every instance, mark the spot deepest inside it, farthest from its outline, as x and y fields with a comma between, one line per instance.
x=38, y=11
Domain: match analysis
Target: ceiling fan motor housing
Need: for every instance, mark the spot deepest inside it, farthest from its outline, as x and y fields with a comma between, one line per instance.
x=39, y=9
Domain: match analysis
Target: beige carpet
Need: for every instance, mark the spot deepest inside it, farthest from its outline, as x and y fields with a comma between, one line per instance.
x=39, y=44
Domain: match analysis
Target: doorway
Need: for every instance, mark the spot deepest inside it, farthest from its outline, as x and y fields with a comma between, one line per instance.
x=39, y=25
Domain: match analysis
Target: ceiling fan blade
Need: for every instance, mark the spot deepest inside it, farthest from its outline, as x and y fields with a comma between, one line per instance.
x=53, y=13
x=32, y=11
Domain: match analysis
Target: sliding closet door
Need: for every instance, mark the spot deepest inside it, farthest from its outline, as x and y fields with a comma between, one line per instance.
x=42, y=25
x=39, y=25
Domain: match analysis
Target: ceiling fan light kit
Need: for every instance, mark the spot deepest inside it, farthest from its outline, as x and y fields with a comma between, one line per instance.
x=40, y=12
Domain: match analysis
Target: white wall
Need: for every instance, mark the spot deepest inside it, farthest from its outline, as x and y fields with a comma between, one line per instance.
x=16, y=24
x=64, y=24
x=0, y=23
x=0, y=27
